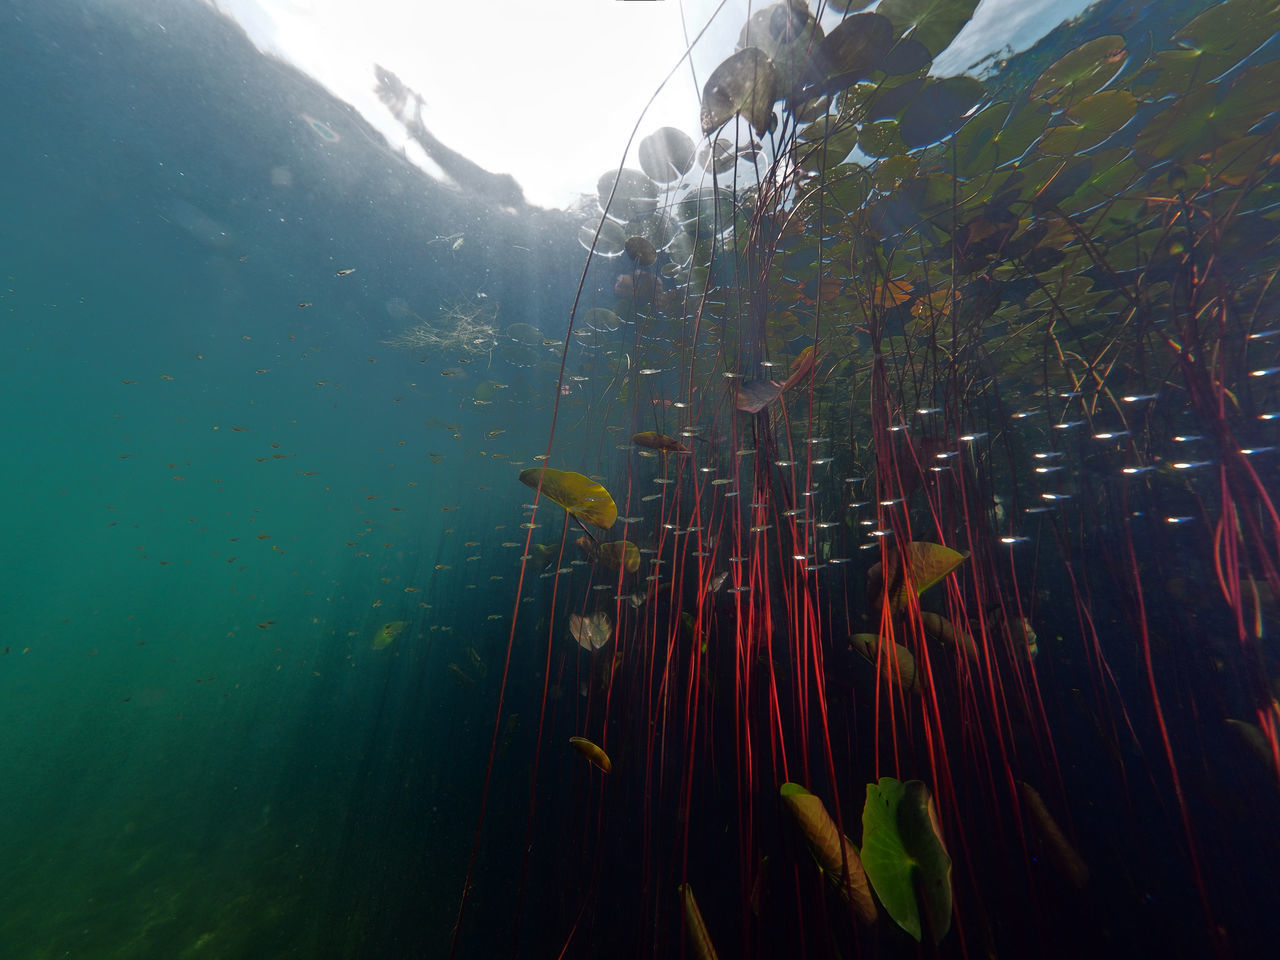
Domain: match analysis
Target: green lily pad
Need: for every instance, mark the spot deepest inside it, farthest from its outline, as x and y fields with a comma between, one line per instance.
x=1082, y=72
x=746, y=83
x=787, y=34
x=633, y=194
x=666, y=154
x=1093, y=120
x=939, y=110
x=904, y=857
x=934, y=23
x=852, y=51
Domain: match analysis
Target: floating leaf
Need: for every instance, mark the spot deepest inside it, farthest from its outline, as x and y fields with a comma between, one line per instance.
x=933, y=23
x=850, y=52
x=608, y=237
x=1064, y=856
x=881, y=139
x=746, y=83
x=592, y=752
x=1082, y=72
x=633, y=195
x=525, y=333
x=833, y=851
x=719, y=155
x=787, y=33
x=581, y=496
x=594, y=630
x=666, y=154
x=387, y=633
x=601, y=319
x=939, y=110
x=904, y=856
x=1090, y=122
x=906, y=56
x=695, y=928
x=641, y=251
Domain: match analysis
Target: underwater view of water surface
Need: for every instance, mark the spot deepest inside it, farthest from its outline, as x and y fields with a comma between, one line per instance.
x=846, y=527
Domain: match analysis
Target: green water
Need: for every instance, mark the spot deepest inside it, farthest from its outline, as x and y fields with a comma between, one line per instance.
x=214, y=498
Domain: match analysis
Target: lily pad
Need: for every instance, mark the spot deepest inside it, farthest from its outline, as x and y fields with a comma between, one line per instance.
x=581, y=496
x=592, y=631
x=939, y=110
x=900, y=670
x=904, y=856
x=851, y=52
x=934, y=23
x=604, y=239
x=626, y=194
x=719, y=155
x=619, y=554
x=1082, y=72
x=1090, y=122
x=926, y=564
x=754, y=395
x=666, y=154
x=746, y=83
x=833, y=851
x=787, y=33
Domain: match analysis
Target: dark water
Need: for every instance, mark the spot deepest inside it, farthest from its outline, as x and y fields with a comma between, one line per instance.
x=222, y=482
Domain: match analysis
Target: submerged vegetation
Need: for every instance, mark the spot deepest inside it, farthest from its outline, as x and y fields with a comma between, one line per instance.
x=462, y=328
x=1029, y=340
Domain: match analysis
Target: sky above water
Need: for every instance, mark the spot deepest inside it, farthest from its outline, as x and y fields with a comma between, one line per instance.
x=551, y=92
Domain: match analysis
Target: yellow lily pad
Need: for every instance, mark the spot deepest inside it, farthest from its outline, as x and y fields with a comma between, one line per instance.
x=581, y=496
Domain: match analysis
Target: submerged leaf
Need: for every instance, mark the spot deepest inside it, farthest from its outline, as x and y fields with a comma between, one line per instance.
x=1062, y=854
x=592, y=631
x=695, y=927
x=900, y=670
x=905, y=858
x=595, y=754
x=746, y=83
x=618, y=554
x=926, y=564
x=833, y=851
x=754, y=395
x=581, y=496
